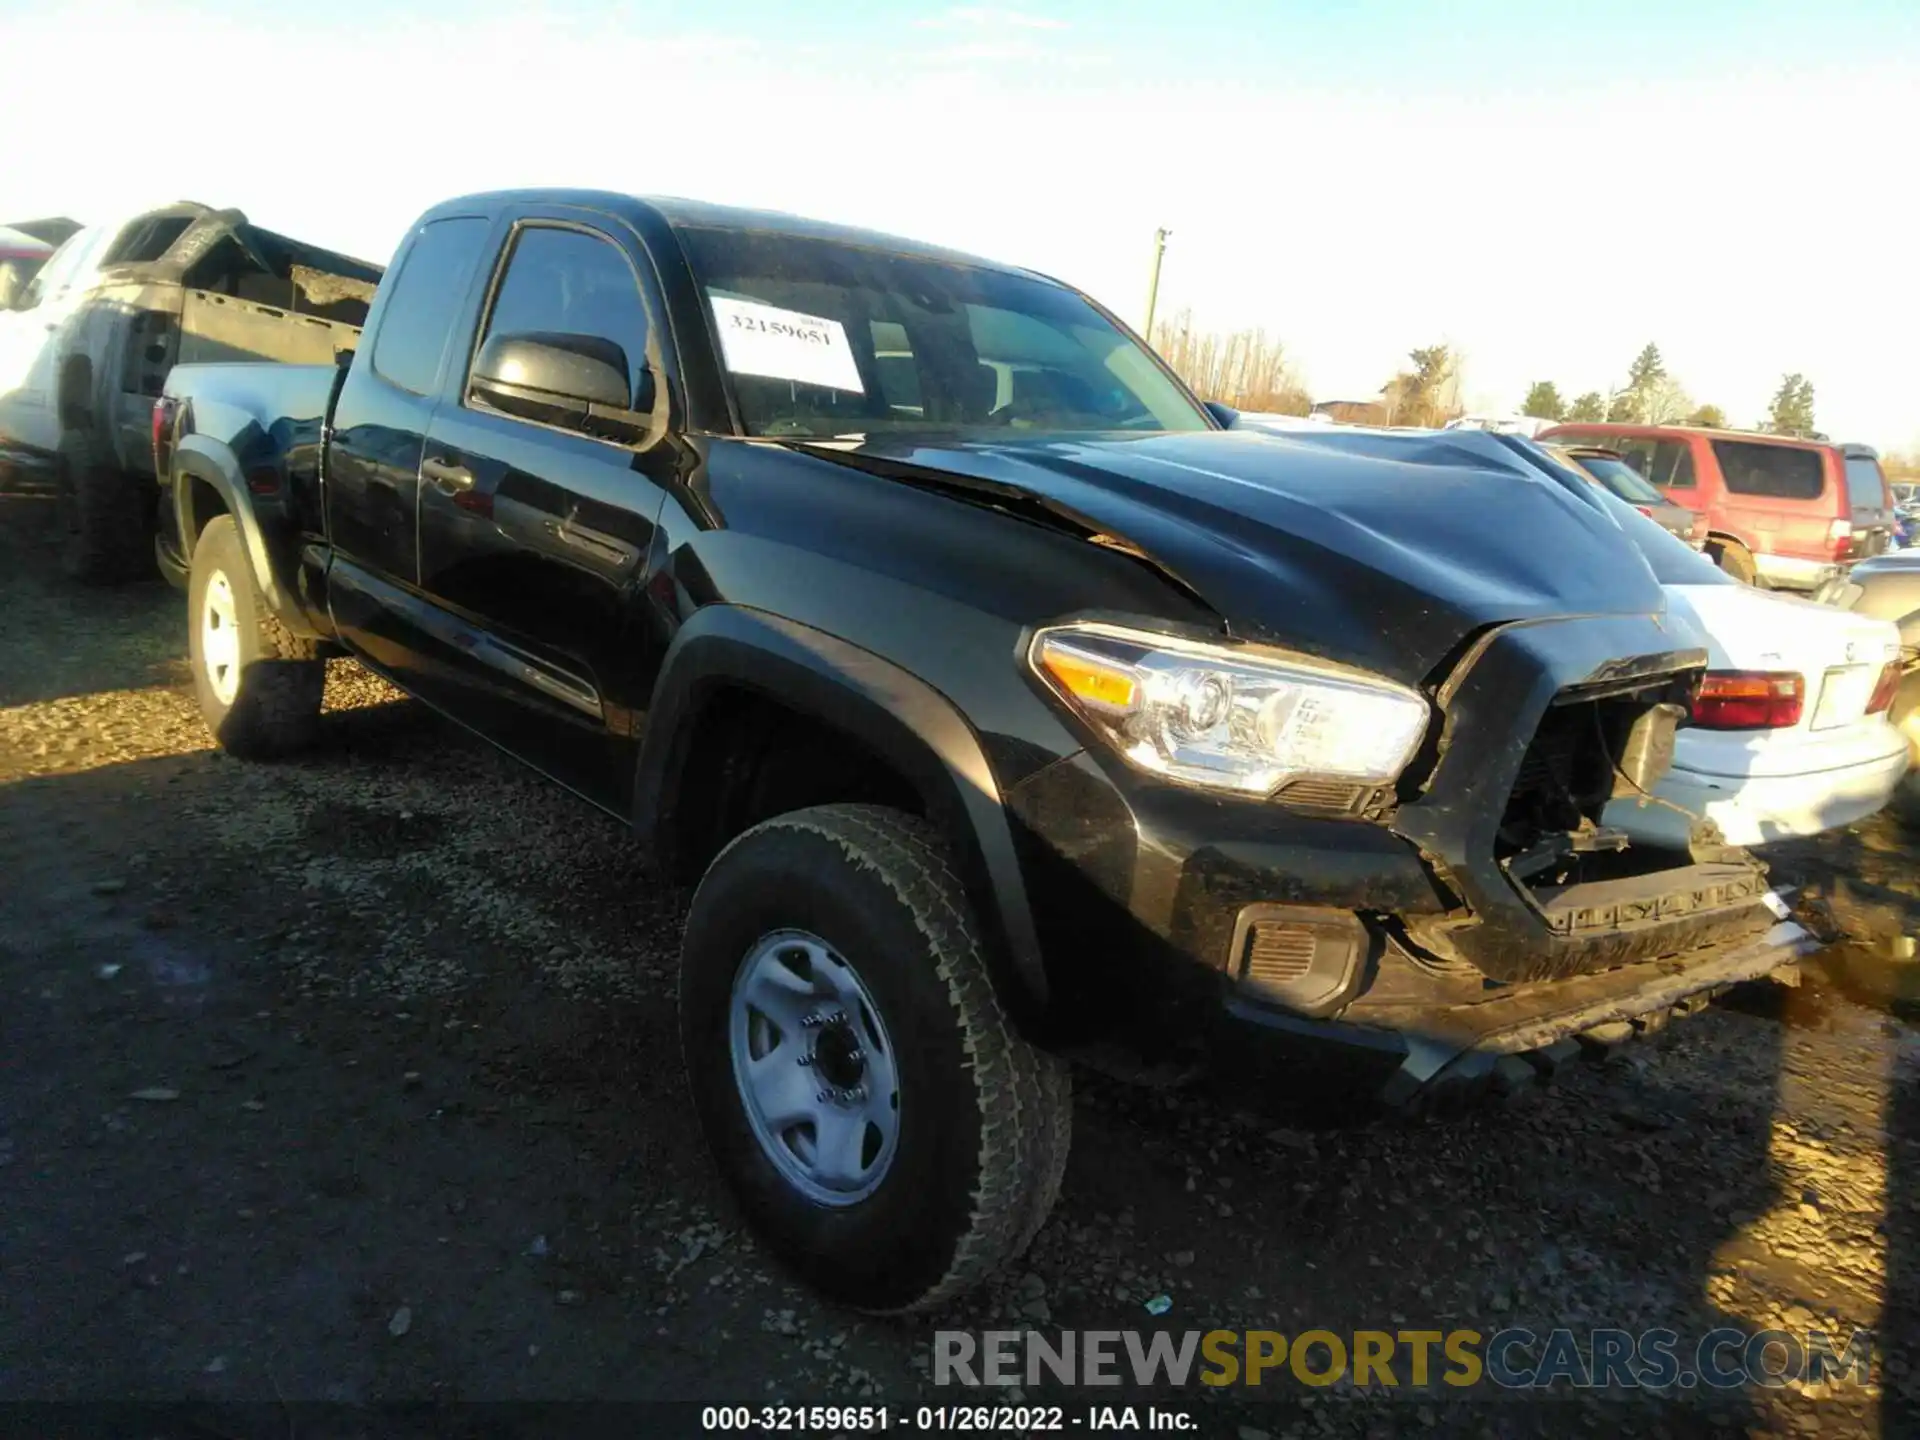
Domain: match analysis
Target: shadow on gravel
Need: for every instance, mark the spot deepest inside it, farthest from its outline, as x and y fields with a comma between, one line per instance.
x=1900, y=1315
x=1881, y=973
x=64, y=641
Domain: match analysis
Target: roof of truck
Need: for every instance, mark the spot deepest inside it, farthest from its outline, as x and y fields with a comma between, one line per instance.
x=693, y=214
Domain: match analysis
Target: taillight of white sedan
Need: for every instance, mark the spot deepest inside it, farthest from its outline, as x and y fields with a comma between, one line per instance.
x=1790, y=732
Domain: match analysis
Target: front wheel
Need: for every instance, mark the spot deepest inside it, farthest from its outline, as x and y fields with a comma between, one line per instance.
x=860, y=1085
x=259, y=684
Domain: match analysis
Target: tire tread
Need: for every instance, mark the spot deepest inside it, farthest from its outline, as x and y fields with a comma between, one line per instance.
x=277, y=709
x=1024, y=1095
x=112, y=542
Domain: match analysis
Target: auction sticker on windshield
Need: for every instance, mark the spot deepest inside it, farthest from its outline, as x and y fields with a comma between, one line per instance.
x=758, y=339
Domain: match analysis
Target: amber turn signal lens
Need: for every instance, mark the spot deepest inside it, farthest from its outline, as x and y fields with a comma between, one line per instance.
x=1088, y=680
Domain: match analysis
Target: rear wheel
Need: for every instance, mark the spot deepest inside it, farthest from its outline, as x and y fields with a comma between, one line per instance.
x=1737, y=561
x=259, y=684
x=106, y=514
x=860, y=1085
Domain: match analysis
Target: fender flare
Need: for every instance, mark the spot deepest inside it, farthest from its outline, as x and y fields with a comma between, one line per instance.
x=1723, y=534
x=895, y=714
x=213, y=464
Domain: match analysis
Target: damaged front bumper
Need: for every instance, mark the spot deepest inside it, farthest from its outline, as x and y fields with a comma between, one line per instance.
x=1245, y=939
x=1514, y=1032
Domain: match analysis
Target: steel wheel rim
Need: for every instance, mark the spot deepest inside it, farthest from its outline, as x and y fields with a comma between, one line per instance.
x=220, y=638
x=816, y=1071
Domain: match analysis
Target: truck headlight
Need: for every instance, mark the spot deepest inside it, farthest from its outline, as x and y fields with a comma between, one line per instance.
x=1215, y=716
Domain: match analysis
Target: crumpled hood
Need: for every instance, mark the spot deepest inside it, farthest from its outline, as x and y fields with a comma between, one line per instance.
x=1385, y=551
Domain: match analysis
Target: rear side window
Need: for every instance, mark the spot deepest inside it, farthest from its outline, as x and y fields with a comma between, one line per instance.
x=425, y=302
x=1866, y=486
x=1775, y=472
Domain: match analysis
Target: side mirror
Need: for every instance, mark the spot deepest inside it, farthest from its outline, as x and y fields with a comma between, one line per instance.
x=1228, y=417
x=557, y=378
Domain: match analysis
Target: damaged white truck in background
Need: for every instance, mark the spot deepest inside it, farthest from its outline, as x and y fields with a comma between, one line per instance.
x=87, y=345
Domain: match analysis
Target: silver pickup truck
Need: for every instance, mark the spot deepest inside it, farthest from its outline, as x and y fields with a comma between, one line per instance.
x=86, y=347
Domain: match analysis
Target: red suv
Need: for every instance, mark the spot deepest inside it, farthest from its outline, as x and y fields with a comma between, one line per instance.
x=1789, y=514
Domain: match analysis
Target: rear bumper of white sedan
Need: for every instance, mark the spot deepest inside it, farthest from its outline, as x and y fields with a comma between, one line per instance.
x=1758, y=809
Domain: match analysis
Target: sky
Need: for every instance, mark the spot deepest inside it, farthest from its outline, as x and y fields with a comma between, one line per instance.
x=1547, y=187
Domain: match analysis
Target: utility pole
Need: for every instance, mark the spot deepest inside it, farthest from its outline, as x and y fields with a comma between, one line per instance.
x=1153, y=286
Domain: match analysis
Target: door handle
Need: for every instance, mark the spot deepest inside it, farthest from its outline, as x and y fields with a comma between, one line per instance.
x=447, y=475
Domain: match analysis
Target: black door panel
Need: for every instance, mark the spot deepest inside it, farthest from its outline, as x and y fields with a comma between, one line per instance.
x=534, y=537
x=542, y=554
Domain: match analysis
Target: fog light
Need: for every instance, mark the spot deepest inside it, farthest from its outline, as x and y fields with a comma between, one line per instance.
x=1305, y=959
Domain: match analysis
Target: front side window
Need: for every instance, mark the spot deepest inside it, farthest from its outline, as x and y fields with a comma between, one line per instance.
x=1672, y=465
x=1774, y=472
x=569, y=282
x=426, y=300
x=1637, y=453
x=822, y=338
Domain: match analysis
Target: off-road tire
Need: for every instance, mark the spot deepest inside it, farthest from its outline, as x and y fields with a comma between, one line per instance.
x=1737, y=561
x=275, y=709
x=107, y=514
x=986, y=1119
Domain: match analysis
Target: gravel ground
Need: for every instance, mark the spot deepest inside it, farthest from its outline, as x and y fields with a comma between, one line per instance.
x=355, y=1080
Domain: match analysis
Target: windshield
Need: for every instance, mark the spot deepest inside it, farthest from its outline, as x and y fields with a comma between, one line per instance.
x=1621, y=478
x=821, y=338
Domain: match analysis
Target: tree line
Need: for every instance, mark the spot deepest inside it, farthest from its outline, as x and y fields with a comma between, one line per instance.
x=1652, y=396
x=1250, y=370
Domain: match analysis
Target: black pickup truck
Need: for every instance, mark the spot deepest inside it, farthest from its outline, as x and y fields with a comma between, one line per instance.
x=1008, y=702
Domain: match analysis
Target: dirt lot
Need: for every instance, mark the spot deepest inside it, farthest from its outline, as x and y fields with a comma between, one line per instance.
x=355, y=1080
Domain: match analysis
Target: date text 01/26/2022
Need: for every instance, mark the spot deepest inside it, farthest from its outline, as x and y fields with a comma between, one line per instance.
x=995, y=1419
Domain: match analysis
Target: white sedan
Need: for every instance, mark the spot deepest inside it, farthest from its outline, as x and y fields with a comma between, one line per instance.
x=1791, y=734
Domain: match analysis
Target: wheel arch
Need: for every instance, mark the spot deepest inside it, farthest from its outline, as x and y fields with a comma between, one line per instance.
x=207, y=482
x=898, y=718
x=1718, y=536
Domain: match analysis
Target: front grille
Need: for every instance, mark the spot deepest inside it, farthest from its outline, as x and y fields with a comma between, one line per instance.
x=1565, y=776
